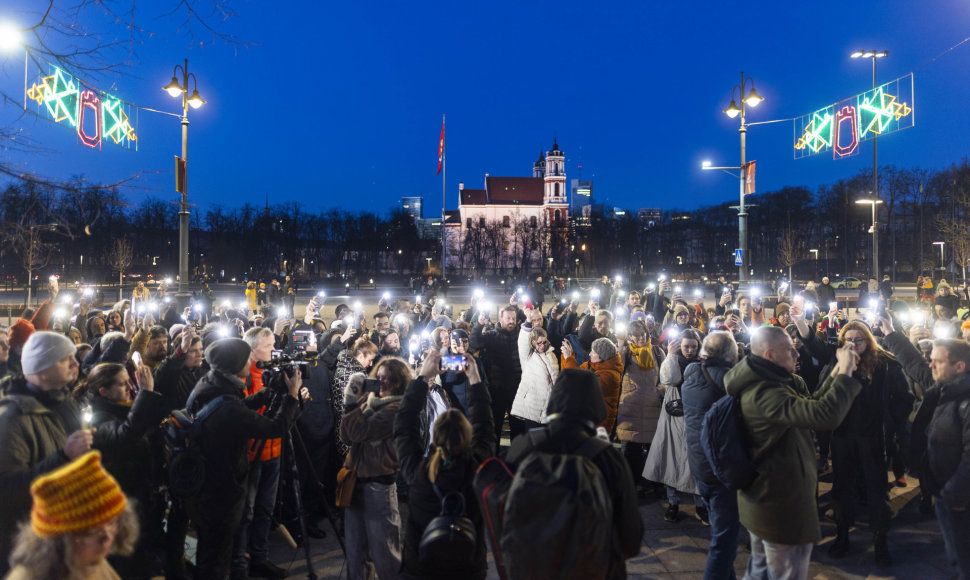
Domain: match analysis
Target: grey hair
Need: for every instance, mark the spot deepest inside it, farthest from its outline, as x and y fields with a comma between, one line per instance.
x=602, y=312
x=55, y=558
x=110, y=337
x=254, y=334
x=720, y=345
x=604, y=348
x=766, y=338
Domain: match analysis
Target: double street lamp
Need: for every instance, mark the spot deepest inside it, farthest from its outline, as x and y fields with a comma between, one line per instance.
x=176, y=89
x=873, y=55
x=734, y=110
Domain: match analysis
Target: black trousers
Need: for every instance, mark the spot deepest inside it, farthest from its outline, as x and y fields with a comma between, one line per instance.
x=501, y=404
x=854, y=457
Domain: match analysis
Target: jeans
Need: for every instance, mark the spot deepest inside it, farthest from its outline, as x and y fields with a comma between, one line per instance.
x=955, y=527
x=771, y=561
x=257, y=518
x=372, y=531
x=722, y=513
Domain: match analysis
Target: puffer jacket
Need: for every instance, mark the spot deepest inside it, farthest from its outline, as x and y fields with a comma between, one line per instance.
x=698, y=396
x=367, y=428
x=539, y=372
x=948, y=443
x=640, y=399
x=608, y=372
x=780, y=506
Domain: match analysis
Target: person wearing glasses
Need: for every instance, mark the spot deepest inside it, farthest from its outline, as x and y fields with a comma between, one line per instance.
x=540, y=367
x=858, y=443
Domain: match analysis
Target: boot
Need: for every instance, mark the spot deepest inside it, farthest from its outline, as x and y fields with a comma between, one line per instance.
x=840, y=547
x=883, y=558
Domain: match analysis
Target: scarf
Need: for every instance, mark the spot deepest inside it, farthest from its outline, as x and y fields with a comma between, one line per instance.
x=643, y=356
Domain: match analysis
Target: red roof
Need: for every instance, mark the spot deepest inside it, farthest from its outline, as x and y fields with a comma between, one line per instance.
x=509, y=190
x=473, y=197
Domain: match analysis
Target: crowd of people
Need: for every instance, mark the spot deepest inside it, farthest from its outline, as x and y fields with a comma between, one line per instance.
x=342, y=418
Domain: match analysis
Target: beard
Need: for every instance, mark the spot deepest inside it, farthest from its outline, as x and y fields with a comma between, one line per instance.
x=388, y=351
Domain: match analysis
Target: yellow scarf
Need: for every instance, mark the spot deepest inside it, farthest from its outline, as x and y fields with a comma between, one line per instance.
x=644, y=356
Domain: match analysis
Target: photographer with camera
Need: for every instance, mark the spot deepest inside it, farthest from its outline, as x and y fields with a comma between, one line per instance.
x=372, y=522
x=223, y=440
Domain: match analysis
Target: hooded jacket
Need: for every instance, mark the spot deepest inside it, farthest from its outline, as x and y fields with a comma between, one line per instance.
x=575, y=405
x=780, y=415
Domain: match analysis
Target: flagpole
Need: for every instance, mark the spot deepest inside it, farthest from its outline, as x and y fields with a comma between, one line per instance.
x=443, y=171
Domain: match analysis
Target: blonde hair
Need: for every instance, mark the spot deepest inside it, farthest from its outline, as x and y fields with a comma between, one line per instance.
x=452, y=435
x=55, y=558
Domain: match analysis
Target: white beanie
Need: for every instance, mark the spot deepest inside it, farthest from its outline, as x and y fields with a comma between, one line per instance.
x=43, y=350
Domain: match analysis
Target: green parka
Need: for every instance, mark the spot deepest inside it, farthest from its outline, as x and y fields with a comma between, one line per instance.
x=780, y=414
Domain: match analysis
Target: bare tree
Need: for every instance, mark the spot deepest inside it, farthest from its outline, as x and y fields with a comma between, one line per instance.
x=121, y=256
x=34, y=252
x=788, y=250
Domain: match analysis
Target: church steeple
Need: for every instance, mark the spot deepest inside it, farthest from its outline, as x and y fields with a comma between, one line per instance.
x=555, y=175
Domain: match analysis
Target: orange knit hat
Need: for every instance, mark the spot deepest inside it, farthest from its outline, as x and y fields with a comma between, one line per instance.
x=76, y=497
x=20, y=331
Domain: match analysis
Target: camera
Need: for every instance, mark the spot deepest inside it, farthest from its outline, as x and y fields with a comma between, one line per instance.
x=288, y=364
x=301, y=339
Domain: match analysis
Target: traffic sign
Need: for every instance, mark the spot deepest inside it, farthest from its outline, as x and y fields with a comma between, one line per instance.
x=737, y=258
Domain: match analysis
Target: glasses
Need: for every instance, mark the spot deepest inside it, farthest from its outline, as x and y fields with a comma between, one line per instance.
x=856, y=340
x=639, y=337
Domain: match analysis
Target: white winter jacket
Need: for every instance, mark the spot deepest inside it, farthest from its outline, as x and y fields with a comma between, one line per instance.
x=539, y=371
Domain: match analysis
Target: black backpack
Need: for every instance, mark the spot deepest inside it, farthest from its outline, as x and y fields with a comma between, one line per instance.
x=555, y=503
x=186, y=465
x=724, y=438
x=449, y=540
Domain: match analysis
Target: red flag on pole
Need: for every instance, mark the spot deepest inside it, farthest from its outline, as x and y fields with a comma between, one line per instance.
x=749, y=169
x=441, y=146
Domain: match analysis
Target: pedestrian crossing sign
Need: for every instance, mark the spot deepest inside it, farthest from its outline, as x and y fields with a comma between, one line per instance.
x=737, y=258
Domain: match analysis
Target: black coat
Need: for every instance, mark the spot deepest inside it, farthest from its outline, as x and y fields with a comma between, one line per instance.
x=502, y=348
x=423, y=503
x=174, y=381
x=125, y=451
x=699, y=396
x=948, y=443
x=225, y=435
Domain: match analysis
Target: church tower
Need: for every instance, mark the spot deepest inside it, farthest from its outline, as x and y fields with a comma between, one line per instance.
x=555, y=175
x=539, y=167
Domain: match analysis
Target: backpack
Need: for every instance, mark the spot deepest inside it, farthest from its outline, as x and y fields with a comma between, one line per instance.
x=449, y=540
x=540, y=520
x=724, y=438
x=186, y=465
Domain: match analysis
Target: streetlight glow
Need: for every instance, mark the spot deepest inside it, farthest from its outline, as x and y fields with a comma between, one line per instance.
x=196, y=100
x=10, y=37
x=173, y=88
x=732, y=110
x=705, y=165
x=753, y=99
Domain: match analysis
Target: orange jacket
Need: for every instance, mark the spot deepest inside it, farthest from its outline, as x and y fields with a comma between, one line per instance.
x=273, y=447
x=609, y=373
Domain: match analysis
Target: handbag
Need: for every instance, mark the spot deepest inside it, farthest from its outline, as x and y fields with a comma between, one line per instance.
x=675, y=407
x=346, y=482
x=449, y=540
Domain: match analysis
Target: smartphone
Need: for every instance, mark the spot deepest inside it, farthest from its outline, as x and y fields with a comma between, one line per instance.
x=136, y=358
x=372, y=386
x=452, y=363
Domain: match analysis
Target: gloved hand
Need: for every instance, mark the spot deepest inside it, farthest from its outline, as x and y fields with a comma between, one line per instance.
x=355, y=386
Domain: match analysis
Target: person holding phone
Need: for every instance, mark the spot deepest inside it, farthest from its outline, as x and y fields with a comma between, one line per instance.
x=540, y=367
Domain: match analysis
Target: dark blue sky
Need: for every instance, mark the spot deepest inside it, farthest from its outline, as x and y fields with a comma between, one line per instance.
x=340, y=104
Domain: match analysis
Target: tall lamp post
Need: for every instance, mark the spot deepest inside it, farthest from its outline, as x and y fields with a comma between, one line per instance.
x=942, y=267
x=176, y=89
x=873, y=55
x=815, y=253
x=875, y=233
x=752, y=99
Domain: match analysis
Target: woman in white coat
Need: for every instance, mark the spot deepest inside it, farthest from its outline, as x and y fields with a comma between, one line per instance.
x=540, y=367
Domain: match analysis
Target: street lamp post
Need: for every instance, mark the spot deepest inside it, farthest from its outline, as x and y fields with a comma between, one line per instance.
x=941, y=244
x=752, y=99
x=815, y=253
x=875, y=233
x=873, y=54
x=175, y=89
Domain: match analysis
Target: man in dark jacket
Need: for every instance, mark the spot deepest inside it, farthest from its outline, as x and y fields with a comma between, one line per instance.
x=779, y=508
x=941, y=430
x=703, y=386
x=36, y=415
x=223, y=440
x=506, y=371
x=576, y=406
x=826, y=294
